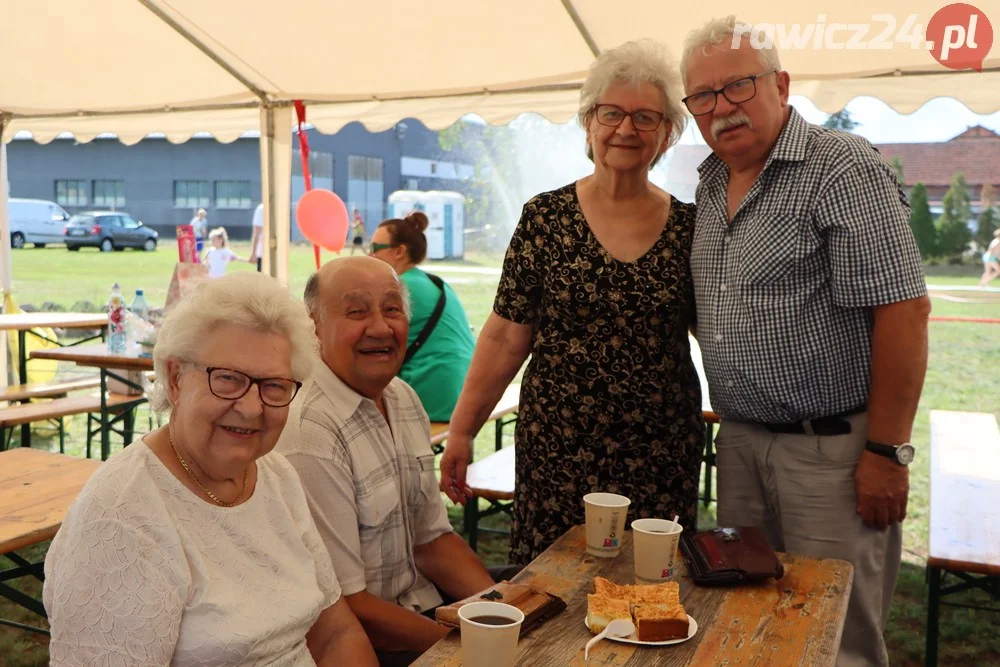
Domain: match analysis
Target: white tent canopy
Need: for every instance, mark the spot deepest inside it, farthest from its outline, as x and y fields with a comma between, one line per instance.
x=177, y=67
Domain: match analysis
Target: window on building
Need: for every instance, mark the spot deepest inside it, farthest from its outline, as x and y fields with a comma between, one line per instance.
x=192, y=194
x=109, y=194
x=232, y=194
x=366, y=188
x=71, y=193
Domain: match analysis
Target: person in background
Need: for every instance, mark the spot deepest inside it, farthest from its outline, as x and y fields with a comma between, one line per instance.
x=596, y=287
x=436, y=368
x=200, y=224
x=991, y=260
x=360, y=443
x=812, y=322
x=195, y=545
x=219, y=255
x=358, y=232
x=257, y=239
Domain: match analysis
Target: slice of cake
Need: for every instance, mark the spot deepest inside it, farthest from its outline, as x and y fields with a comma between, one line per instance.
x=669, y=593
x=609, y=589
x=657, y=622
x=601, y=610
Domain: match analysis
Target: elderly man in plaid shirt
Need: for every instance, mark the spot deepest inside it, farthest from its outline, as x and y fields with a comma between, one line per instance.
x=812, y=321
x=360, y=441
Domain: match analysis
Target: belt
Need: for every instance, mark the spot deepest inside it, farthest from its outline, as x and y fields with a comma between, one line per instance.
x=832, y=425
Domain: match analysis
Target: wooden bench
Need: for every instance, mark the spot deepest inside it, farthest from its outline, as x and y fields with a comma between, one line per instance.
x=505, y=407
x=964, y=512
x=491, y=479
x=36, y=490
x=58, y=408
x=26, y=392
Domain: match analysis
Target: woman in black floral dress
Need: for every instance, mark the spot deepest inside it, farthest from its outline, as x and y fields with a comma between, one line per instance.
x=596, y=288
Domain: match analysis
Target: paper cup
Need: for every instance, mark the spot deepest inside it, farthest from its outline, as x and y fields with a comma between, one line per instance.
x=654, y=542
x=605, y=514
x=489, y=644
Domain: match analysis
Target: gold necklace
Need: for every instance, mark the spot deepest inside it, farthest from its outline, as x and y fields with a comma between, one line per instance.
x=201, y=486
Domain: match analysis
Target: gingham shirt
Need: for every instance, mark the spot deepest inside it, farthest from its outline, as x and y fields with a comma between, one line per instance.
x=371, y=489
x=784, y=292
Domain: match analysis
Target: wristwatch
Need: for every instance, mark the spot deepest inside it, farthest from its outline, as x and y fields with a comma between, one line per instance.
x=901, y=454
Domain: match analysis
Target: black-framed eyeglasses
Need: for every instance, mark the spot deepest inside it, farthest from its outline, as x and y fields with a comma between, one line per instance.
x=736, y=92
x=611, y=115
x=375, y=247
x=233, y=385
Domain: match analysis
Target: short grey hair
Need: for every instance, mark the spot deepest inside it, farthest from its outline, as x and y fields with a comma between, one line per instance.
x=246, y=299
x=641, y=61
x=721, y=31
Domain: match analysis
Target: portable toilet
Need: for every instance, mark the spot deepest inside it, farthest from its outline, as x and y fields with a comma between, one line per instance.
x=446, y=212
x=402, y=202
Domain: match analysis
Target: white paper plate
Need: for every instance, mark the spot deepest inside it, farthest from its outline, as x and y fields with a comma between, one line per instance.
x=631, y=639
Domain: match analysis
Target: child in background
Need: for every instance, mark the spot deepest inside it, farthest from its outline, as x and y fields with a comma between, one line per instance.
x=219, y=254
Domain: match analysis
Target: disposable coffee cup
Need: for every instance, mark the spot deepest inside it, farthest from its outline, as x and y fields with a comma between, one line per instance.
x=489, y=633
x=654, y=542
x=605, y=516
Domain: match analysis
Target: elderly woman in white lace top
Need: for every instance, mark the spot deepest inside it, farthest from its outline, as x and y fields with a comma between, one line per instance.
x=195, y=546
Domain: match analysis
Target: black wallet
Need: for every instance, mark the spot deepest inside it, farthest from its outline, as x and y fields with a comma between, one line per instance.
x=728, y=556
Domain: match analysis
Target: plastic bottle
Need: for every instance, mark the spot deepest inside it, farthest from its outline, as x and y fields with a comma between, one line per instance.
x=139, y=306
x=116, y=321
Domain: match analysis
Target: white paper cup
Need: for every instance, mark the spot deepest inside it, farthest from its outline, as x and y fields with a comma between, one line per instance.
x=605, y=514
x=654, y=542
x=487, y=645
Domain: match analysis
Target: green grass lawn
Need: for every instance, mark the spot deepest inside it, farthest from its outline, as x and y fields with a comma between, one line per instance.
x=964, y=359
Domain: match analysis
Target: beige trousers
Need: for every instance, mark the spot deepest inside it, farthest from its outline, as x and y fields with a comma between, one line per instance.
x=799, y=490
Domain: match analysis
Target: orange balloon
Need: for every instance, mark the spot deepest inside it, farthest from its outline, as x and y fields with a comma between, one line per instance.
x=322, y=218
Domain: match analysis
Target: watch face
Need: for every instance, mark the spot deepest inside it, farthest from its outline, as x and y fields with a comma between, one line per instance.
x=904, y=454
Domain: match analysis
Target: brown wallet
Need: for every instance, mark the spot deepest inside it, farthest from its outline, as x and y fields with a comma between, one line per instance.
x=727, y=556
x=537, y=606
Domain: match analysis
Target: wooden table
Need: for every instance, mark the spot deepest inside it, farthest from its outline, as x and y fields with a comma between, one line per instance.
x=965, y=513
x=24, y=323
x=797, y=620
x=36, y=490
x=97, y=356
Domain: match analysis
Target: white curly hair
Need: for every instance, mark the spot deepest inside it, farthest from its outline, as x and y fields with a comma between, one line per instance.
x=247, y=299
x=641, y=61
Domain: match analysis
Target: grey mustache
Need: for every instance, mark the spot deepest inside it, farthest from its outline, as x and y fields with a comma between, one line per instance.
x=720, y=125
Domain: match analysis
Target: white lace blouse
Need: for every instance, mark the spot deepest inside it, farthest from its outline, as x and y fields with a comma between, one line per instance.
x=143, y=572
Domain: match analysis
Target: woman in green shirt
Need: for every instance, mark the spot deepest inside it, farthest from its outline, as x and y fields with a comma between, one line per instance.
x=437, y=368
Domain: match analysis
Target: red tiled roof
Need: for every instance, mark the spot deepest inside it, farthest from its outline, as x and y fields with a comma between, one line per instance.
x=975, y=152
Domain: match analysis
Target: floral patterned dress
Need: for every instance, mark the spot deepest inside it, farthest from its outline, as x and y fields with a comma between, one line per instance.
x=610, y=400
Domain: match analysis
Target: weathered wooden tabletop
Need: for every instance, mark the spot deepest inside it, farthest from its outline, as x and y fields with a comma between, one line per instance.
x=95, y=355
x=36, y=490
x=794, y=621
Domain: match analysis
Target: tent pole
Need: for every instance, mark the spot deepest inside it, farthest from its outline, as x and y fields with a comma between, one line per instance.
x=6, y=276
x=275, y=170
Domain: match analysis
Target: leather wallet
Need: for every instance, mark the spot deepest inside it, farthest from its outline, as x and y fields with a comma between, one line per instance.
x=728, y=556
x=537, y=606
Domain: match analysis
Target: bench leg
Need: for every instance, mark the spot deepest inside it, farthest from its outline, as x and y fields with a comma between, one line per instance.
x=472, y=522
x=129, y=425
x=709, y=459
x=933, y=610
x=90, y=433
x=62, y=435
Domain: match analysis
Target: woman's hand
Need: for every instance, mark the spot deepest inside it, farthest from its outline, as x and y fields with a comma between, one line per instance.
x=454, y=463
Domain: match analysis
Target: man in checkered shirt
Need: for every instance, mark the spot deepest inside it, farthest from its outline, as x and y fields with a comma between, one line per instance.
x=360, y=441
x=812, y=322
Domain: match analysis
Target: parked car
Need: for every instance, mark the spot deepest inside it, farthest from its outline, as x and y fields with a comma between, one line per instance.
x=35, y=221
x=108, y=230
